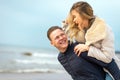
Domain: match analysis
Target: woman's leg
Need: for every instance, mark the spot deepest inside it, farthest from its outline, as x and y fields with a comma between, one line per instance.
x=108, y=77
x=114, y=70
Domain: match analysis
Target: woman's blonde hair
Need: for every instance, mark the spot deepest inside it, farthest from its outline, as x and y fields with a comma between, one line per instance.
x=73, y=32
x=84, y=9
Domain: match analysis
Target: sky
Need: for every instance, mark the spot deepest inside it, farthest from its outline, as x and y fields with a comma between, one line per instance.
x=24, y=23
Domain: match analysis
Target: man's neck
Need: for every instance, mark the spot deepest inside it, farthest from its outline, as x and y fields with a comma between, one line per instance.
x=63, y=50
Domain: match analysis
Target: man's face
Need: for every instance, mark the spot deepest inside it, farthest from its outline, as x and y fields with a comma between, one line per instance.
x=59, y=39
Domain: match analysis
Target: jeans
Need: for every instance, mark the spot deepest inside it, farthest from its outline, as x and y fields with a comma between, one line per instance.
x=108, y=77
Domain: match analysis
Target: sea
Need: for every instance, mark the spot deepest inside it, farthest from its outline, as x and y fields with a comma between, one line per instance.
x=22, y=60
x=26, y=60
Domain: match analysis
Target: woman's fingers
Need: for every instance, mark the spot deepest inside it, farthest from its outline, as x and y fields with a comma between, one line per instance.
x=79, y=53
x=77, y=50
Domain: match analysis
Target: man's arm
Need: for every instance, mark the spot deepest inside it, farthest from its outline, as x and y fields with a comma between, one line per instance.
x=92, y=59
x=112, y=67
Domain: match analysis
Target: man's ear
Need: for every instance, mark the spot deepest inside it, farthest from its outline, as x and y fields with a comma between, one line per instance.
x=51, y=43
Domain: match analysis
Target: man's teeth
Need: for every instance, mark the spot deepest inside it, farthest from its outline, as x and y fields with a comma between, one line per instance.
x=62, y=42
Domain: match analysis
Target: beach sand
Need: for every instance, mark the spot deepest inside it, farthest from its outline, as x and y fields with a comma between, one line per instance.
x=35, y=76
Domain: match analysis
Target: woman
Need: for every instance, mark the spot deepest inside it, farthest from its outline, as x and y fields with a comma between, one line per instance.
x=93, y=32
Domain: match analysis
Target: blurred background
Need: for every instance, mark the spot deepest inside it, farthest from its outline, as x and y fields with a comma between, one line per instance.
x=24, y=46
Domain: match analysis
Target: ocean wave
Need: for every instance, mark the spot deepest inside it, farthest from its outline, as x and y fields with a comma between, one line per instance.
x=45, y=55
x=37, y=61
x=33, y=71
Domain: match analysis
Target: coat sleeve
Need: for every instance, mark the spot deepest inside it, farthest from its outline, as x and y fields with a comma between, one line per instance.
x=99, y=54
x=106, y=52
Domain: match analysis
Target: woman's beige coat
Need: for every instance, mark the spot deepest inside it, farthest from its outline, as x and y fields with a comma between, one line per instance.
x=101, y=41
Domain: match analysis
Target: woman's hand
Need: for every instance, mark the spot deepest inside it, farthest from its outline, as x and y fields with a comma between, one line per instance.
x=80, y=48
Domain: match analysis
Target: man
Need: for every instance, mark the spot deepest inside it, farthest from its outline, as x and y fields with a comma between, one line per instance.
x=79, y=67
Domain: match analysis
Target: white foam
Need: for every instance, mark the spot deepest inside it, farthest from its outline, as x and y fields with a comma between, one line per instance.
x=37, y=61
x=45, y=55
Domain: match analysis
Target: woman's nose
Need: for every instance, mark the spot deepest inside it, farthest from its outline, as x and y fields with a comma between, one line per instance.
x=74, y=20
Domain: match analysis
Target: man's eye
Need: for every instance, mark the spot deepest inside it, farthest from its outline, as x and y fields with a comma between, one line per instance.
x=57, y=37
x=62, y=34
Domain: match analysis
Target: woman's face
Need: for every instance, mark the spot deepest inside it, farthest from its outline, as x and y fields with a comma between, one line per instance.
x=77, y=19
